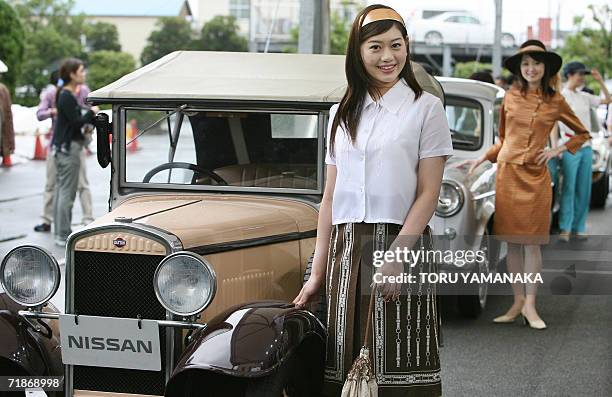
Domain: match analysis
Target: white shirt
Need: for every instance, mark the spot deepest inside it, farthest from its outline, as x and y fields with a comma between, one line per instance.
x=581, y=103
x=377, y=177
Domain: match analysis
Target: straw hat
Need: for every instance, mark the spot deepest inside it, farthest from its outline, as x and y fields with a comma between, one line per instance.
x=552, y=59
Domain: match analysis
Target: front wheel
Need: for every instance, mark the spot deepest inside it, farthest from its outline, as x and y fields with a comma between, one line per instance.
x=507, y=40
x=472, y=304
x=433, y=38
x=599, y=192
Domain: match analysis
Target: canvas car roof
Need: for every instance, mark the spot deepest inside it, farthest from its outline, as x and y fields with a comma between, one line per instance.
x=240, y=76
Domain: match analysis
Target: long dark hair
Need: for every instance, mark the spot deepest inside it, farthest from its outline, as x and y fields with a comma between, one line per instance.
x=69, y=66
x=359, y=81
x=546, y=84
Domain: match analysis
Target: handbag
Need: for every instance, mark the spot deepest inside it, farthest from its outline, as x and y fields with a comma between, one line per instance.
x=361, y=381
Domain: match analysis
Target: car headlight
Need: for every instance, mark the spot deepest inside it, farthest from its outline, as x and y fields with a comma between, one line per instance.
x=30, y=275
x=184, y=283
x=596, y=158
x=450, y=200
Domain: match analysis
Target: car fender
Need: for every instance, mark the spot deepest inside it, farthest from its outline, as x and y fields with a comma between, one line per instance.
x=249, y=341
x=24, y=349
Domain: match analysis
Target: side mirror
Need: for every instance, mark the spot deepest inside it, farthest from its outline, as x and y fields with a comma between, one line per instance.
x=104, y=130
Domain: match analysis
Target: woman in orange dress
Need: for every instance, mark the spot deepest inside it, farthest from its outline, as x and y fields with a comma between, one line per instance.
x=523, y=195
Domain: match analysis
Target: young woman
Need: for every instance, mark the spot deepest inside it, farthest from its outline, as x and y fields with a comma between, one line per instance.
x=67, y=144
x=522, y=194
x=387, y=144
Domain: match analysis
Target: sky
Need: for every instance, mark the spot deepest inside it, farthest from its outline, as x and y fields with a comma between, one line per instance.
x=516, y=14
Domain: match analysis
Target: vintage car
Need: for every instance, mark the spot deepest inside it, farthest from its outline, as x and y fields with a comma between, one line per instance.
x=602, y=162
x=464, y=216
x=182, y=289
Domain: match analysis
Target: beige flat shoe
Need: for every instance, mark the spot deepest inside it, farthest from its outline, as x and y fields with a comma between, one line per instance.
x=564, y=237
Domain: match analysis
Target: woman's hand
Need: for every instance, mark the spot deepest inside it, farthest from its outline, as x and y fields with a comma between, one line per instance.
x=387, y=289
x=95, y=109
x=309, y=292
x=474, y=163
x=545, y=155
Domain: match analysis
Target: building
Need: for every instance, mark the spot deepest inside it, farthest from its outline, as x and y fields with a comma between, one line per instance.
x=273, y=19
x=134, y=19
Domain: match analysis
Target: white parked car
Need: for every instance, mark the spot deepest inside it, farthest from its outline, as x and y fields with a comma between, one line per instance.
x=464, y=216
x=455, y=28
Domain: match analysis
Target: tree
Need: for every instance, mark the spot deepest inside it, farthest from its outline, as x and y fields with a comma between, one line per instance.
x=173, y=33
x=339, y=34
x=221, y=34
x=102, y=36
x=592, y=46
x=51, y=34
x=11, y=44
x=465, y=69
x=108, y=66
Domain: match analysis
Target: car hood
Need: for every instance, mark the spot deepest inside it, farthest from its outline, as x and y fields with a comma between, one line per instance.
x=204, y=220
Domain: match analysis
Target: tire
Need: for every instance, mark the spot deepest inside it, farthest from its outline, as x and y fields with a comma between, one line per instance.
x=599, y=192
x=287, y=380
x=433, y=38
x=320, y=308
x=471, y=305
x=507, y=40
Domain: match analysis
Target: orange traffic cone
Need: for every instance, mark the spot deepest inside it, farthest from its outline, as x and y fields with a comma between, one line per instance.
x=6, y=161
x=39, y=151
x=130, y=134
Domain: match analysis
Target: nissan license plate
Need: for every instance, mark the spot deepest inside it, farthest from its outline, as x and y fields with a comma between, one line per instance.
x=110, y=342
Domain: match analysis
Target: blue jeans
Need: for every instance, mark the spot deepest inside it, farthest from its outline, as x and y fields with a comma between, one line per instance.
x=576, y=191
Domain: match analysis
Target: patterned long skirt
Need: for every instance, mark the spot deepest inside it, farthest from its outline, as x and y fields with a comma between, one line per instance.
x=404, y=347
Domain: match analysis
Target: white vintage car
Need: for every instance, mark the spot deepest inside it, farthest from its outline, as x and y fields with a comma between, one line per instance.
x=455, y=28
x=464, y=216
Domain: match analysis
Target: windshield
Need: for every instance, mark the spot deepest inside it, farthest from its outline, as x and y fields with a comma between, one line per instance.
x=465, y=120
x=222, y=150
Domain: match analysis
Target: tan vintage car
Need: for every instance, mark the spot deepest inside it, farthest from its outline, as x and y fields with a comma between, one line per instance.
x=182, y=288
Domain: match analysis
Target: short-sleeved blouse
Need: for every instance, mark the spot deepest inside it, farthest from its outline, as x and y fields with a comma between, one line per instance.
x=377, y=175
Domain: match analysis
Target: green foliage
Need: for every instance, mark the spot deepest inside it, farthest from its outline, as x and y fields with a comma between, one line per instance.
x=173, y=33
x=592, y=46
x=11, y=44
x=102, y=36
x=108, y=66
x=465, y=69
x=339, y=32
x=221, y=34
x=51, y=34
x=340, y=29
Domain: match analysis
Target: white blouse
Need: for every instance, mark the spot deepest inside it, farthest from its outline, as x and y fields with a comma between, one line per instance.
x=377, y=176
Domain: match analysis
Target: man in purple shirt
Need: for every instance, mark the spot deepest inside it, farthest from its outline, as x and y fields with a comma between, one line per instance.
x=46, y=109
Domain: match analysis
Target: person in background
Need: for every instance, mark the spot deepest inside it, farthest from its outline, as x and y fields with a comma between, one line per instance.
x=482, y=75
x=523, y=196
x=577, y=168
x=68, y=143
x=7, y=133
x=46, y=109
x=502, y=81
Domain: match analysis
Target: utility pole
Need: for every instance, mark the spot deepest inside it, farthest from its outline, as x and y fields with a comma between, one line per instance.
x=252, y=27
x=314, y=27
x=497, y=55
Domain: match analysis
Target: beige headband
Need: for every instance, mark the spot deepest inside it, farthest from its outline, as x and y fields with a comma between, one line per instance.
x=380, y=14
x=532, y=48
